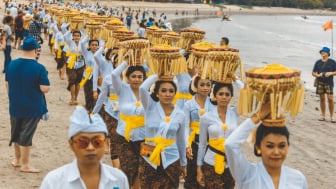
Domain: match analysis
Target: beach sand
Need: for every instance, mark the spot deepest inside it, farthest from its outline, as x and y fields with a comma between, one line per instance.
x=312, y=144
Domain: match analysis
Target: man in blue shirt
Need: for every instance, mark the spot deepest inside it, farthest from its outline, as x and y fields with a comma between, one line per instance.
x=27, y=81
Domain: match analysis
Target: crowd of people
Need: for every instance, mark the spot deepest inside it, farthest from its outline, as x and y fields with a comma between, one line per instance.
x=156, y=131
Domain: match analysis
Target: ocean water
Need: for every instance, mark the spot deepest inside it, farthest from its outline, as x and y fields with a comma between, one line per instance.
x=262, y=39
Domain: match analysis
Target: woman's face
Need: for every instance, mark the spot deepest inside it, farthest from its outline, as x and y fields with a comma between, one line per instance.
x=204, y=87
x=76, y=37
x=135, y=79
x=166, y=93
x=223, y=96
x=94, y=46
x=274, y=149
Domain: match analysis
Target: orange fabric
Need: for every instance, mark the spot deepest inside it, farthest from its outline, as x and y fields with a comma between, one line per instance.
x=328, y=25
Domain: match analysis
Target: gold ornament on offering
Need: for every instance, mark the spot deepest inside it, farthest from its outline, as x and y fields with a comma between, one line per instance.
x=275, y=84
x=76, y=23
x=199, y=54
x=109, y=27
x=167, y=62
x=171, y=38
x=59, y=16
x=190, y=36
x=149, y=32
x=93, y=29
x=138, y=48
x=118, y=34
x=222, y=65
x=157, y=36
x=68, y=15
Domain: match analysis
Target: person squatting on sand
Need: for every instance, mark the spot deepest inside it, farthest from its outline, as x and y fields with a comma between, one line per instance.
x=87, y=135
x=27, y=82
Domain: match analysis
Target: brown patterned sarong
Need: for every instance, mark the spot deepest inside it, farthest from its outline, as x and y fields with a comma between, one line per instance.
x=216, y=181
x=129, y=156
x=160, y=178
x=111, y=124
x=191, y=178
x=74, y=76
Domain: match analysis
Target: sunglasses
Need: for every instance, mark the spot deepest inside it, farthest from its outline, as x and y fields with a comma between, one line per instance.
x=83, y=142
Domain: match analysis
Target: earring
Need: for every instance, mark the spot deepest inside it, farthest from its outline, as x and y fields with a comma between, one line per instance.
x=258, y=152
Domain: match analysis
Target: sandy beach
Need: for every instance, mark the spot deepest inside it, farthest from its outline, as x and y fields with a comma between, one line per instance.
x=312, y=145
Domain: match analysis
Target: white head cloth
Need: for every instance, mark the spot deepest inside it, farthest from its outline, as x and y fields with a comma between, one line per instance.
x=81, y=121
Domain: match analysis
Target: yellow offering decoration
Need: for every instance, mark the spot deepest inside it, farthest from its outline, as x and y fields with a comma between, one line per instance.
x=59, y=16
x=171, y=38
x=76, y=22
x=222, y=65
x=110, y=26
x=149, y=32
x=98, y=18
x=275, y=84
x=157, y=36
x=190, y=36
x=167, y=62
x=118, y=34
x=93, y=29
x=68, y=15
x=139, y=48
x=199, y=55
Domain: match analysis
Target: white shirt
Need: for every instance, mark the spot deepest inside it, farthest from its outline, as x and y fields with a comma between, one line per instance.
x=68, y=176
x=254, y=175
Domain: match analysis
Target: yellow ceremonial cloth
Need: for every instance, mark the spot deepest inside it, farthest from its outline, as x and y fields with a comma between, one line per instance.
x=72, y=59
x=194, y=126
x=160, y=145
x=132, y=122
x=113, y=97
x=88, y=70
x=59, y=50
x=219, y=164
x=184, y=96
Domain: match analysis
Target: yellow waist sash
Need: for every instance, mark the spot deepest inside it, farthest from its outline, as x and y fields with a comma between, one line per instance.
x=194, y=126
x=113, y=97
x=218, y=144
x=88, y=70
x=184, y=96
x=72, y=59
x=59, y=50
x=160, y=145
x=132, y=122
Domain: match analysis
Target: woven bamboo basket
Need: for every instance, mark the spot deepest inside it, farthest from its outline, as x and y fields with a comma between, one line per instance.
x=171, y=38
x=76, y=23
x=149, y=32
x=167, y=62
x=275, y=84
x=190, y=36
x=139, y=48
x=93, y=30
x=117, y=35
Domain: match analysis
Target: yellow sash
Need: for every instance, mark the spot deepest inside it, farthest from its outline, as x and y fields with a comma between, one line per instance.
x=113, y=97
x=184, y=96
x=132, y=122
x=218, y=144
x=88, y=70
x=72, y=59
x=194, y=126
x=59, y=50
x=160, y=145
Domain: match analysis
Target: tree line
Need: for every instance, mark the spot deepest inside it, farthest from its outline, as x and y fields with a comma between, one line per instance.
x=302, y=4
